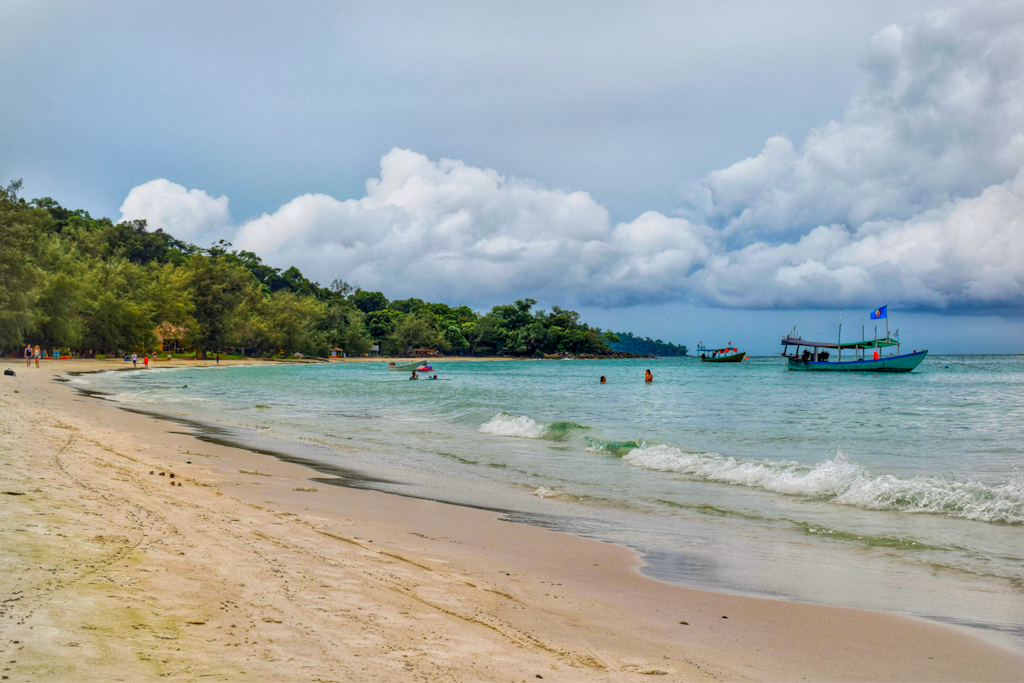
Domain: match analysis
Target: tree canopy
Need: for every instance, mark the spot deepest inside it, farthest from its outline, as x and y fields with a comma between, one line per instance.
x=71, y=281
x=645, y=346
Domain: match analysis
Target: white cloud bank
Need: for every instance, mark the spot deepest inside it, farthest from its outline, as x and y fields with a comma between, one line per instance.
x=941, y=117
x=915, y=198
x=189, y=215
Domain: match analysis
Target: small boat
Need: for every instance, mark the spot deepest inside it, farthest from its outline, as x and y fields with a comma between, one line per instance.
x=867, y=353
x=724, y=355
x=404, y=367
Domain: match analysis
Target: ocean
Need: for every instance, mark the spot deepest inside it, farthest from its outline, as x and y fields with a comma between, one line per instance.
x=900, y=492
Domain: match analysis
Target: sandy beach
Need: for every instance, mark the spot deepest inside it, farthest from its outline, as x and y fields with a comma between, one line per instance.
x=133, y=551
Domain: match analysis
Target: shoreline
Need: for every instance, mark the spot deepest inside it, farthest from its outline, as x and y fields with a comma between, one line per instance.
x=455, y=590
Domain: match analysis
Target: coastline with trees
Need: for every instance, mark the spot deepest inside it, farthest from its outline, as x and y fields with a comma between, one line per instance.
x=87, y=287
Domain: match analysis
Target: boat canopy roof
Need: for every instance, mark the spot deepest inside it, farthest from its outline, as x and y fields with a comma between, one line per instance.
x=706, y=349
x=867, y=344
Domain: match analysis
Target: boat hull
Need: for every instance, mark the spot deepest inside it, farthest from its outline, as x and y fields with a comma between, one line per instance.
x=404, y=367
x=734, y=358
x=904, y=363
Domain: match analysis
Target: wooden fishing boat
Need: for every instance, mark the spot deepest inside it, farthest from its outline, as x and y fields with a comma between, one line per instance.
x=724, y=355
x=868, y=354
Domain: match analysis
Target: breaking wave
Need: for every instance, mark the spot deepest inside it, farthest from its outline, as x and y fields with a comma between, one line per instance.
x=841, y=481
x=613, y=447
x=507, y=424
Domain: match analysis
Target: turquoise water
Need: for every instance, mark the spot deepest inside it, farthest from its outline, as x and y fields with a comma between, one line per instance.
x=896, y=492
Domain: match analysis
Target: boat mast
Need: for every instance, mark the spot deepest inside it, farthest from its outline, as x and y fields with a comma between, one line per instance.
x=839, y=349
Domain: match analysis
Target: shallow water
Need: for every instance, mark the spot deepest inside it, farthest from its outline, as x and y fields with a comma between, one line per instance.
x=896, y=492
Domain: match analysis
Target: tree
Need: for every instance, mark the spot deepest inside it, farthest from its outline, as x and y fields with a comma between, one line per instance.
x=219, y=289
x=382, y=323
x=21, y=228
x=456, y=339
x=341, y=289
x=407, y=305
x=345, y=328
x=369, y=302
x=414, y=331
x=135, y=243
x=116, y=324
x=293, y=323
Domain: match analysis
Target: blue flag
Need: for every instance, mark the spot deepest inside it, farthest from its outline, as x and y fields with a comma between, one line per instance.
x=878, y=313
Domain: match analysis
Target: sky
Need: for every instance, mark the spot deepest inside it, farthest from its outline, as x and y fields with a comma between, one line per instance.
x=704, y=171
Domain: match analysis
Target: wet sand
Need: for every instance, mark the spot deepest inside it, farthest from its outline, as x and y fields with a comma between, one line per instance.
x=240, y=567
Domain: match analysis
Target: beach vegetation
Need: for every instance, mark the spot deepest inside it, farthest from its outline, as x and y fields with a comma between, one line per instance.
x=96, y=288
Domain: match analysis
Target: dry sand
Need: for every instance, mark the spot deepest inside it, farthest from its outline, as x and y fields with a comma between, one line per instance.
x=240, y=568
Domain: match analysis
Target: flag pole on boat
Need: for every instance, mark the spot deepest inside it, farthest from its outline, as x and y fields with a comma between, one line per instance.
x=839, y=346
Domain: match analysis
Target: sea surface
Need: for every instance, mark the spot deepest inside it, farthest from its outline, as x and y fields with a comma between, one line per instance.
x=893, y=492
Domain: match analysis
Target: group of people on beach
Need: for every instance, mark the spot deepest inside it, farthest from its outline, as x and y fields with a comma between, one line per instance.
x=648, y=377
x=31, y=353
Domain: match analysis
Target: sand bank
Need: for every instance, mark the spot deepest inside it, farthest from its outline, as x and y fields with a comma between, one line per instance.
x=241, y=568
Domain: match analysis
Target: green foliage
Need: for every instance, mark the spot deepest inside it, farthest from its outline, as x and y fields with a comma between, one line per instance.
x=133, y=242
x=380, y=324
x=369, y=302
x=218, y=289
x=344, y=327
x=417, y=331
x=293, y=324
x=71, y=281
x=628, y=343
x=21, y=230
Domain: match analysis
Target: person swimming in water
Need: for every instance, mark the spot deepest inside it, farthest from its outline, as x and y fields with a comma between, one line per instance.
x=648, y=377
x=604, y=380
x=414, y=375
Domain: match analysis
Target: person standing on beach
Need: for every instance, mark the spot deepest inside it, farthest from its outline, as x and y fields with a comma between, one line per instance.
x=37, y=353
x=28, y=355
x=135, y=359
x=145, y=362
x=218, y=359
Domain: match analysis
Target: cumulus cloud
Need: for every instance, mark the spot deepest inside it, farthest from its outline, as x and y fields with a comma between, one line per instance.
x=941, y=117
x=915, y=198
x=190, y=215
x=969, y=253
x=453, y=230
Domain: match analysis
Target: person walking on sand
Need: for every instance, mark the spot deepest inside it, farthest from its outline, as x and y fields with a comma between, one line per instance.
x=648, y=377
x=37, y=353
x=28, y=355
x=145, y=362
x=135, y=360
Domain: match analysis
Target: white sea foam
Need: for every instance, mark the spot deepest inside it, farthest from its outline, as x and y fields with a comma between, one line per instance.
x=507, y=424
x=545, y=492
x=843, y=481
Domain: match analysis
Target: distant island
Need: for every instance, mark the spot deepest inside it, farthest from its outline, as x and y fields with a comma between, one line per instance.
x=645, y=346
x=78, y=285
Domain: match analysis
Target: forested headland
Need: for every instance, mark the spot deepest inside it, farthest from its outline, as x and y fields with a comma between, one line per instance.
x=89, y=286
x=645, y=346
